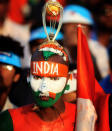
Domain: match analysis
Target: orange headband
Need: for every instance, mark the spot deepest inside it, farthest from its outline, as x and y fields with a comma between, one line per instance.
x=48, y=69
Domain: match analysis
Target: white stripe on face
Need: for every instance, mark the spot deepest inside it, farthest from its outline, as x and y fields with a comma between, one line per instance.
x=48, y=84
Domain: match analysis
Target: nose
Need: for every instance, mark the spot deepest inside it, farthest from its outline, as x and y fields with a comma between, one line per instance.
x=43, y=87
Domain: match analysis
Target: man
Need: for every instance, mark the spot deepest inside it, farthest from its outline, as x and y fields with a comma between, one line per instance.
x=10, y=64
x=36, y=38
x=49, y=75
x=74, y=15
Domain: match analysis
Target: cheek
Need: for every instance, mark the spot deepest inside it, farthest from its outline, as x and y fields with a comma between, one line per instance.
x=8, y=78
x=56, y=86
x=35, y=84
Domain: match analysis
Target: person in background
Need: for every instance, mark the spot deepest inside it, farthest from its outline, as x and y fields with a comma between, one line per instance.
x=74, y=14
x=10, y=67
x=48, y=78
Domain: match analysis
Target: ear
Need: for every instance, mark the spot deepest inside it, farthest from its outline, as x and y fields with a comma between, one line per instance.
x=16, y=77
x=68, y=77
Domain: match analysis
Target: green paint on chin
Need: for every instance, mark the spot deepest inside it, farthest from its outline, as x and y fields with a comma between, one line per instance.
x=48, y=103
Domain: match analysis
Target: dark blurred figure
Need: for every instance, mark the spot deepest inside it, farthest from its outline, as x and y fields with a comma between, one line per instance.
x=104, y=22
x=4, y=8
x=10, y=67
x=74, y=14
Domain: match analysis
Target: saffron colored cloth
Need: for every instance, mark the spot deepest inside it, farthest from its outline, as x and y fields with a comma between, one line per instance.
x=92, y=101
x=24, y=119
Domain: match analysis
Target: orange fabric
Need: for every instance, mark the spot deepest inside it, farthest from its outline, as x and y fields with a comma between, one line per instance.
x=49, y=69
x=24, y=119
x=85, y=69
x=15, y=10
x=88, y=87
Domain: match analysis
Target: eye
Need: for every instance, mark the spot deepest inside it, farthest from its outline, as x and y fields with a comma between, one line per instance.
x=54, y=78
x=37, y=77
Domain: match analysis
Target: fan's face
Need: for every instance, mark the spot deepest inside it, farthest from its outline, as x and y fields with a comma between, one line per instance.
x=70, y=33
x=47, y=90
x=49, y=83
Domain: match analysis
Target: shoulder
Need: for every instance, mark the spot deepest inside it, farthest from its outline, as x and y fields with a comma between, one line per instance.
x=6, y=123
x=21, y=110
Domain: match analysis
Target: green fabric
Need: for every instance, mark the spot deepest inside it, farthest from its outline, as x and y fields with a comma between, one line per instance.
x=47, y=54
x=6, y=123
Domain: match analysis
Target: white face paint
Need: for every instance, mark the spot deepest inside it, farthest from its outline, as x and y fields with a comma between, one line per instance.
x=48, y=84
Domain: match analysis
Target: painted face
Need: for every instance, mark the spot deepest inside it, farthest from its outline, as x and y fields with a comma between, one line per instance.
x=47, y=90
x=48, y=82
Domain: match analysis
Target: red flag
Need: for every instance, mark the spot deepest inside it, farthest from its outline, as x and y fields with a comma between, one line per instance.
x=89, y=92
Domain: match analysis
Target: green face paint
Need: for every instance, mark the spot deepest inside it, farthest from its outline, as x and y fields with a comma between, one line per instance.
x=47, y=54
x=47, y=87
x=48, y=103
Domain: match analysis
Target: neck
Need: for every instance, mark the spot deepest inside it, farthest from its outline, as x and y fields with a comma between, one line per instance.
x=52, y=113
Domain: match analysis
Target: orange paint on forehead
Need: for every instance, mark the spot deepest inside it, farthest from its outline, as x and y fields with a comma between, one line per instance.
x=48, y=69
x=55, y=47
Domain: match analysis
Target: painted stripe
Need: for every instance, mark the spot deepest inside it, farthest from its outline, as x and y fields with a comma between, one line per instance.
x=48, y=69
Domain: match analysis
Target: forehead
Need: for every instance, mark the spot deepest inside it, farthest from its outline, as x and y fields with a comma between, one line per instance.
x=6, y=66
x=73, y=25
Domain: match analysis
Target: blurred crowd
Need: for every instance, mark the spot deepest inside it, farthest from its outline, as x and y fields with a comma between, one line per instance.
x=21, y=32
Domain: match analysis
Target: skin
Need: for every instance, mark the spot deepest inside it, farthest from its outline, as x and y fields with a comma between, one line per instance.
x=70, y=33
x=7, y=77
x=70, y=38
x=70, y=97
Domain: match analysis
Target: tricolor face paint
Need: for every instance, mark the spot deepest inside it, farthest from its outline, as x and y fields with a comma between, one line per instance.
x=47, y=81
x=46, y=68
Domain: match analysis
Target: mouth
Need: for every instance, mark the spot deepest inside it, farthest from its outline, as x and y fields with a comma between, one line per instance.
x=44, y=98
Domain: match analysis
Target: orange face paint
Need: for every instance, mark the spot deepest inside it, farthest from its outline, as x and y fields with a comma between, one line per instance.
x=48, y=69
x=49, y=45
